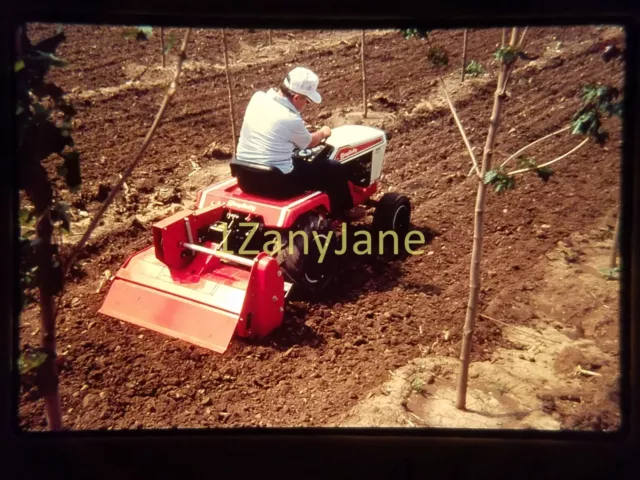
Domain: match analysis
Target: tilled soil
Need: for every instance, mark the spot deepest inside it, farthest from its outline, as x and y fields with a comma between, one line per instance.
x=330, y=352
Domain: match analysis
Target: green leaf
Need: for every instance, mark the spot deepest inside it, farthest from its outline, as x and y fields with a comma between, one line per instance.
x=415, y=33
x=507, y=54
x=474, y=69
x=616, y=109
x=490, y=176
x=19, y=65
x=25, y=216
x=29, y=361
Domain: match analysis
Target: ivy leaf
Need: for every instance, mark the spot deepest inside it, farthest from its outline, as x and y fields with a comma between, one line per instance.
x=19, y=65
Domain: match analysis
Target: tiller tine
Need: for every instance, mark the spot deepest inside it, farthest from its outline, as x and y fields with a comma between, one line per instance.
x=197, y=293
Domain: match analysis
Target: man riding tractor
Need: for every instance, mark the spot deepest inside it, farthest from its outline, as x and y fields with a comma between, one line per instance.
x=272, y=129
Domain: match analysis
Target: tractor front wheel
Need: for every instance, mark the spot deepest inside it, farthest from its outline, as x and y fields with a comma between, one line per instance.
x=392, y=214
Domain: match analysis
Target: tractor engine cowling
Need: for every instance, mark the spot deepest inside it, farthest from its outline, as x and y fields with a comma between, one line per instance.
x=361, y=150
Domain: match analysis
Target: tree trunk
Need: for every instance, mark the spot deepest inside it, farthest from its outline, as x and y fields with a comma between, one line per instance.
x=231, y=107
x=364, y=78
x=464, y=53
x=162, y=41
x=476, y=257
x=270, y=38
x=613, y=259
x=49, y=384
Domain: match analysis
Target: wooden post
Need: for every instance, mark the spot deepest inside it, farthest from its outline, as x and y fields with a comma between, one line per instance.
x=613, y=259
x=464, y=53
x=230, y=91
x=162, y=41
x=270, y=38
x=364, y=78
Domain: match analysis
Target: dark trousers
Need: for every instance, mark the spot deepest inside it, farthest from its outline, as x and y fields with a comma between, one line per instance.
x=322, y=174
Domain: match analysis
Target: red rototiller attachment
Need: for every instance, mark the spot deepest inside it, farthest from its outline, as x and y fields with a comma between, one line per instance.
x=196, y=284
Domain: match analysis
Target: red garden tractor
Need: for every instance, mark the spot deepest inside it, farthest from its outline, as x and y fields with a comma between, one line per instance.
x=208, y=274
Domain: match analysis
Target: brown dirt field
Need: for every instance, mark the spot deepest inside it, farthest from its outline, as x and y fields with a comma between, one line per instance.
x=329, y=354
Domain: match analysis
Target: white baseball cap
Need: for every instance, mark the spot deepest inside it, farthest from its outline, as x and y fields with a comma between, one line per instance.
x=304, y=82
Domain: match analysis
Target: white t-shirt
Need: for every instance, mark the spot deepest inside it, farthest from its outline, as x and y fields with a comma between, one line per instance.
x=271, y=129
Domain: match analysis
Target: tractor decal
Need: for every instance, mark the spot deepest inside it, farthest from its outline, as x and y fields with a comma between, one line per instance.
x=349, y=150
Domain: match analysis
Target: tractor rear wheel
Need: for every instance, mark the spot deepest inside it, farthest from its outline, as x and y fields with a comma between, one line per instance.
x=302, y=265
x=393, y=213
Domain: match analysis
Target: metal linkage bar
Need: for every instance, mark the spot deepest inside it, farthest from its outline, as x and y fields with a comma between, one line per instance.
x=223, y=256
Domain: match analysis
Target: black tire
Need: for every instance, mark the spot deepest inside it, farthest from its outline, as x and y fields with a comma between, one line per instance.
x=393, y=213
x=306, y=271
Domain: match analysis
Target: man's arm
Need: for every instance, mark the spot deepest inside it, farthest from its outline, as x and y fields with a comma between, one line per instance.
x=317, y=137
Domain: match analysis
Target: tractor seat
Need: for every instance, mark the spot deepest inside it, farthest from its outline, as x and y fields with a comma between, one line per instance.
x=251, y=180
x=245, y=166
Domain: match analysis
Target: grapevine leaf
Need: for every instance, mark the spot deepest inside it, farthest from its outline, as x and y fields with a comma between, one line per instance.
x=490, y=176
x=29, y=361
x=474, y=69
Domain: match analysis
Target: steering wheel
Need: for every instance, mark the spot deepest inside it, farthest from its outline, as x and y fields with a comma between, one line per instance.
x=309, y=151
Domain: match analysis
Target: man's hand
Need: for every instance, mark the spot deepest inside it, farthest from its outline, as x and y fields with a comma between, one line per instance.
x=317, y=137
x=326, y=131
